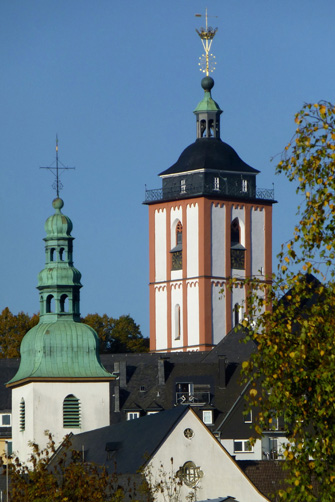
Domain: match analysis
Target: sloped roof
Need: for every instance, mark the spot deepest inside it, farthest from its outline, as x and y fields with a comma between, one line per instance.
x=128, y=444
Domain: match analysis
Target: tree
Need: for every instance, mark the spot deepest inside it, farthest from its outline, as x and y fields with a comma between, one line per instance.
x=293, y=371
x=117, y=335
x=67, y=477
x=12, y=330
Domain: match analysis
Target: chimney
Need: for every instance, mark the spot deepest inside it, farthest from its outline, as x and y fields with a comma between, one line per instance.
x=222, y=363
x=120, y=367
x=161, y=370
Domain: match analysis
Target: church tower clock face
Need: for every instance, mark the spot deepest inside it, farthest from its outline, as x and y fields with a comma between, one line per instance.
x=207, y=223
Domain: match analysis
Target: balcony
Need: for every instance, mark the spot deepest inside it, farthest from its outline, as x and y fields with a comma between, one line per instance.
x=193, y=398
x=173, y=193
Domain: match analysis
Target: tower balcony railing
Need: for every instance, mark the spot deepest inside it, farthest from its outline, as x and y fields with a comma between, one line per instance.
x=173, y=193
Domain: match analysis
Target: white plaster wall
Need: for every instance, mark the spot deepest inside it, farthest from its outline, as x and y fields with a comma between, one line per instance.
x=238, y=296
x=250, y=455
x=161, y=317
x=218, y=240
x=240, y=214
x=44, y=411
x=192, y=230
x=221, y=475
x=193, y=313
x=257, y=241
x=160, y=245
x=218, y=313
x=177, y=299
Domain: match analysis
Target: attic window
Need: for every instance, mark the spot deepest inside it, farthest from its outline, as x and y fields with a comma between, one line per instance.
x=132, y=415
x=71, y=412
x=22, y=415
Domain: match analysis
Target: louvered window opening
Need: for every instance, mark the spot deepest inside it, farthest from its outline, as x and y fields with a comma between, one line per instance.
x=71, y=412
x=22, y=415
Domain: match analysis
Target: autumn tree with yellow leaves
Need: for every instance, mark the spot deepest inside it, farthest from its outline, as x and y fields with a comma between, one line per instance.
x=293, y=372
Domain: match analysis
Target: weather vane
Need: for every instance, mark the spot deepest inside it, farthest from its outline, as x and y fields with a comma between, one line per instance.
x=207, y=63
x=56, y=171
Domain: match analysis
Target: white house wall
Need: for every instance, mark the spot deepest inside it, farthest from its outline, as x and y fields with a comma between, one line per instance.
x=258, y=241
x=177, y=299
x=160, y=245
x=218, y=312
x=193, y=313
x=44, y=411
x=218, y=239
x=221, y=475
x=161, y=316
x=192, y=239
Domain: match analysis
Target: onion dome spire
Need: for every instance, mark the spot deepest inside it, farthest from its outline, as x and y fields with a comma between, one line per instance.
x=59, y=282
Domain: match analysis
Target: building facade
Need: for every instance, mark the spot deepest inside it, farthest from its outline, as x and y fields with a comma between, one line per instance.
x=208, y=223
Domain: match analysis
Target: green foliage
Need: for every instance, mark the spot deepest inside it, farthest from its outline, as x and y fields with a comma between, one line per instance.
x=292, y=374
x=117, y=335
x=67, y=478
x=12, y=330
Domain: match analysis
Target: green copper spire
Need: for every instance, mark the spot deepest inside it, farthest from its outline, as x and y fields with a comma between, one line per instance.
x=60, y=346
x=59, y=282
x=208, y=113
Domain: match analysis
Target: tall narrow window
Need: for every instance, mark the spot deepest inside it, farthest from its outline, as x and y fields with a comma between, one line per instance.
x=236, y=314
x=49, y=304
x=64, y=303
x=244, y=185
x=177, y=251
x=177, y=322
x=216, y=183
x=235, y=231
x=52, y=254
x=237, y=251
x=22, y=415
x=71, y=412
x=61, y=254
x=182, y=186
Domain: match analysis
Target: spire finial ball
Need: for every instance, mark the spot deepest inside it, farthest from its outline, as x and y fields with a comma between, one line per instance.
x=207, y=83
x=57, y=203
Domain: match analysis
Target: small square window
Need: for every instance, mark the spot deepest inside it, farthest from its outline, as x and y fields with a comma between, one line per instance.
x=248, y=417
x=131, y=415
x=207, y=417
x=5, y=420
x=243, y=446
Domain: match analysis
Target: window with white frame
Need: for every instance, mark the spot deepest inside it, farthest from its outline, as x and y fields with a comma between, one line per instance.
x=242, y=446
x=244, y=185
x=131, y=415
x=5, y=420
x=248, y=417
x=152, y=412
x=207, y=417
x=182, y=186
x=216, y=183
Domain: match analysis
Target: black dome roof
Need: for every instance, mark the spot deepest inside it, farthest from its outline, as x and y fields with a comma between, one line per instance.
x=209, y=153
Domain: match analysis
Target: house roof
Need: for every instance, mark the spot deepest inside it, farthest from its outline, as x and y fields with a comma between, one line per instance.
x=128, y=444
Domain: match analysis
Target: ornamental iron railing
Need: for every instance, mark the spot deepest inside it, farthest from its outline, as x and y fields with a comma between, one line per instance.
x=193, y=398
x=176, y=193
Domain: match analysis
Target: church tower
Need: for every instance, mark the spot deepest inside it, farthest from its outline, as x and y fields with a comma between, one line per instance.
x=61, y=385
x=207, y=223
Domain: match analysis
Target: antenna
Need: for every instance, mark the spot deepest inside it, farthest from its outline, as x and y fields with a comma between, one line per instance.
x=56, y=171
x=207, y=63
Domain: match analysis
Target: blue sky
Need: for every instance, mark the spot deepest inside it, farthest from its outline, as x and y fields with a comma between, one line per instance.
x=118, y=81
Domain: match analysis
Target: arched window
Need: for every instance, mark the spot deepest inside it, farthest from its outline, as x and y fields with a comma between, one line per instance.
x=177, y=251
x=22, y=415
x=49, y=304
x=52, y=254
x=61, y=254
x=64, y=303
x=177, y=326
x=71, y=412
x=235, y=231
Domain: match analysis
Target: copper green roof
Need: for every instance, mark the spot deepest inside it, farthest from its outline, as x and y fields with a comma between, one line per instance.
x=60, y=346
x=63, y=349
